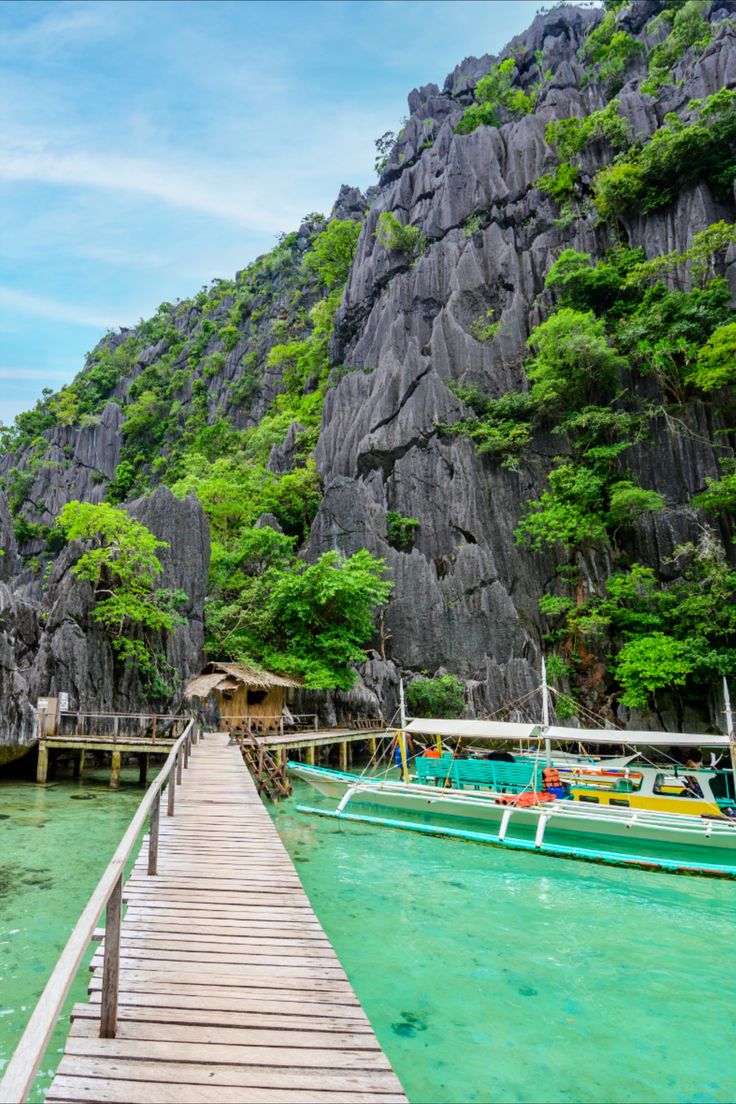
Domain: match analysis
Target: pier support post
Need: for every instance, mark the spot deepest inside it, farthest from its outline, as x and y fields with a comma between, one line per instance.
x=115, y=770
x=372, y=746
x=343, y=755
x=77, y=765
x=143, y=769
x=310, y=754
x=42, y=769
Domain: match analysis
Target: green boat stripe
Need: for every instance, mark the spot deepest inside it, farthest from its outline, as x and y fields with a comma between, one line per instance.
x=527, y=845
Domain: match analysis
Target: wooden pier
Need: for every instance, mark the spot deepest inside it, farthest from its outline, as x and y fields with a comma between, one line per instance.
x=265, y=752
x=226, y=988
x=115, y=734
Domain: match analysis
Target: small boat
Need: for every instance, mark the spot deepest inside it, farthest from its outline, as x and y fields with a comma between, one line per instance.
x=624, y=809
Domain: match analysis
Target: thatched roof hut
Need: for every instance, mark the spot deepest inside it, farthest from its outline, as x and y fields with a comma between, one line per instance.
x=243, y=692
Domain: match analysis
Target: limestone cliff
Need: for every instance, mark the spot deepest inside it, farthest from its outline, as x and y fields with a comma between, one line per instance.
x=466, y=593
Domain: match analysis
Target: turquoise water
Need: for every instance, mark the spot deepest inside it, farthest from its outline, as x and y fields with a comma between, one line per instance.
x=55, y=842
x=495, y=975
x=487, y=974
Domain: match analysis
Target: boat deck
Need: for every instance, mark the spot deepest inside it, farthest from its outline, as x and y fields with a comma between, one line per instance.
x=230, y=990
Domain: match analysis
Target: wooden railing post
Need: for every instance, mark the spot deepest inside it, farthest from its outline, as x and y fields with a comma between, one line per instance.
x=178, y=767
x=111, y=968
x=171, y=792
x=153, y=835
x=153, y=731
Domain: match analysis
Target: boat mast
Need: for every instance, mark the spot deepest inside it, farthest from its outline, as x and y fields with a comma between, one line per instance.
x=545, y=714
x=401, y=734
x=729, y=728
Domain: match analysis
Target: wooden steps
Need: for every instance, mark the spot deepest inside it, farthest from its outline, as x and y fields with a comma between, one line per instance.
x=229, y=989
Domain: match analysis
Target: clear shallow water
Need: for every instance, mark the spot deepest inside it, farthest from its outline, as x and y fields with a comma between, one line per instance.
x=491, y=975
x=55, y=842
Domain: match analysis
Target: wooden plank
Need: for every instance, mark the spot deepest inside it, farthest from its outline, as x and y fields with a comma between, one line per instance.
x=263, y=980
x=139, y=954
x=304, y=1021
x=292, y=1037
x=139, y=1092
x=264, y=1076
x=229, y=989
x=230, y=1054
x=234, y=1001
x=215, y=968
x=182, y=949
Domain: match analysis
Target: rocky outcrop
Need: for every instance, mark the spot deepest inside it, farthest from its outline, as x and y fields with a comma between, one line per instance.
x=50, y=642
x=465, y=593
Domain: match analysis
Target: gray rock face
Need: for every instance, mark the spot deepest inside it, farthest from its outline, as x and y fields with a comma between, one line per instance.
x=51, y=642
x=465, y=594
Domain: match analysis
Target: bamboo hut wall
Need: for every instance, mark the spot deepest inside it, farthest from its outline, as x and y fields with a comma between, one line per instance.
x=236, y=704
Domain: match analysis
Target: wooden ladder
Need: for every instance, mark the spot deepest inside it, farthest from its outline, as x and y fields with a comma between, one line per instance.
x=269, y=774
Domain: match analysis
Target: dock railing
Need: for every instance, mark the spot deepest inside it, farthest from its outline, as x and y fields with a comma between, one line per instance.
x=28, y=1055
x=114, y=727
x=276, y=724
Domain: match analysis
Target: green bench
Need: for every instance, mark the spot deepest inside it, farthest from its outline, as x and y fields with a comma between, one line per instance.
x=476, y=773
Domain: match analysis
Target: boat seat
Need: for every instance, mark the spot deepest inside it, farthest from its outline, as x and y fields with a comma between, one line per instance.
x=477, y=773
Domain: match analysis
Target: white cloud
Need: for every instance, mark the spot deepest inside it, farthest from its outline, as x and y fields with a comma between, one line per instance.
x=202, y=191
x=42, y=307
x=64, y=25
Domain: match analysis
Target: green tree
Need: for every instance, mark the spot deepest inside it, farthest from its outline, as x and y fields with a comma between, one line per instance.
x=395, y=237
x=574, y=360
x=715, y=364
x=121, y=564
x=661, y=634
x=494, y=93
x=571, y=512
x=436, y=697
x=322, y=617
x=601, y=287
x=649, y=663
x=332, y=252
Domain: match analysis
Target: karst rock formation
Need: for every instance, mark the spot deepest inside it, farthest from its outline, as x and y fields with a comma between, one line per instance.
x=466, y=593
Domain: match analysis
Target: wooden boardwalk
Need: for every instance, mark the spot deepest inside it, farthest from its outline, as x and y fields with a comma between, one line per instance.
x=229, y=989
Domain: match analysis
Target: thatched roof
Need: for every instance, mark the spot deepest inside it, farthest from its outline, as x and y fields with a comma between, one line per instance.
x=228, y=676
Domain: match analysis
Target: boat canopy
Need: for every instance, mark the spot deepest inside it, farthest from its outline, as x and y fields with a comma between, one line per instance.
x=635, y=739
x=510, y=730
x=482, y=730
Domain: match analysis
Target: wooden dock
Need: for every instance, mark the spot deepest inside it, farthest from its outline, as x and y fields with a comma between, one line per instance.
x=77, y=733
x=229, y=990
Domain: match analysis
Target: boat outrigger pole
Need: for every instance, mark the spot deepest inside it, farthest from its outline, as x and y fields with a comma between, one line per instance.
x=401, y=734
x=729, y=727
x=545, y=714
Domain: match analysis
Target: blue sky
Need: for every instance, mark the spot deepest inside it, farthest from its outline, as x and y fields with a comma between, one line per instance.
x=149, y=147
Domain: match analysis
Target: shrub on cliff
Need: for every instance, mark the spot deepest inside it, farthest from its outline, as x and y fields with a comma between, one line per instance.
x=436, y=697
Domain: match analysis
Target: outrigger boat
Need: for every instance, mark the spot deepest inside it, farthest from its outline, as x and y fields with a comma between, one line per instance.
x=624, y=810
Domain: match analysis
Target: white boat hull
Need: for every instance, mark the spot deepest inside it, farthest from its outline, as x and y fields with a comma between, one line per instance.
x=622, y=827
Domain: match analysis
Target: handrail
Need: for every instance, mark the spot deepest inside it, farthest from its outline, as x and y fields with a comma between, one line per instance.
x=136, y=716
x=28, y=1055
